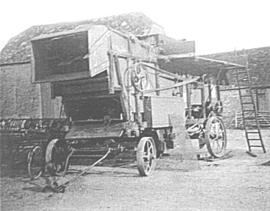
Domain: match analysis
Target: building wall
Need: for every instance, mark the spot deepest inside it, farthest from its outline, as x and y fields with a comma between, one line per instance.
x=232, y=107
x=258, y=61
x=20, y=98
x=264, y=99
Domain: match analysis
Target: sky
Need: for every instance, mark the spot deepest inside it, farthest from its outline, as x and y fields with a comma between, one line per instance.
x=215, y=25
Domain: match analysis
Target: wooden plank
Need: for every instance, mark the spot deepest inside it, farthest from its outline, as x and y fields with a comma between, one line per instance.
x=46, y=101
x=80, y=86
x=98, y=47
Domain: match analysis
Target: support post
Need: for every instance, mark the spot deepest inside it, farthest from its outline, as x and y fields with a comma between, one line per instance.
x=257, y=99
x=235, y=120
x=203, y=98
x=110, y=73
x=157, y=83
x=218, y=92
x=123, y=98
x=209, y=92
x=188, y=93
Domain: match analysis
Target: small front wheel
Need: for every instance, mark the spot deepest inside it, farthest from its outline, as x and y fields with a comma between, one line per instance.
x=216, y=137
x=35, y=162
x=146, y=156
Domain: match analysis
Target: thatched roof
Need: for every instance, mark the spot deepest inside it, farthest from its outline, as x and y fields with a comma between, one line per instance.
x=18, y=49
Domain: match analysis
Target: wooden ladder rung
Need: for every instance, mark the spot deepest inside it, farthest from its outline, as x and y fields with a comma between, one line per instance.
x=248, y=116
x=255, y=145
x=245, y=96
x=247, y=103
x=254, y=139
x=85, y=156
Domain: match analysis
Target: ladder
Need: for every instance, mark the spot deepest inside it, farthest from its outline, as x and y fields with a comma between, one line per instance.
x=249, y=110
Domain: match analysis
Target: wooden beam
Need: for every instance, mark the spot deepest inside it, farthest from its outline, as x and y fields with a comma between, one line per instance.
x=176, y=56
x=166, y=73
x=110, y=71
x=157, y=82
x=246, y=87
x=173, y=86
x=123, y=98
x=130, y=56
x=220, y=62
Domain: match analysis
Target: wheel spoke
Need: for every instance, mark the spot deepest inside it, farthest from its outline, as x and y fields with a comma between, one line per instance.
x=213, y=144
x=149, y=151
x=218, y=147
x=146, y=156
x=216, y=135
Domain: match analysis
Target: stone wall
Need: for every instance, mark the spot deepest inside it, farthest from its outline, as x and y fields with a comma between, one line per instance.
x=231, y=106
x=258, y=61
x=18, y=96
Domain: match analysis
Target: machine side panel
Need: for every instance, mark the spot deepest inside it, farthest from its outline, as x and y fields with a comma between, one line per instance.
x=158, y=109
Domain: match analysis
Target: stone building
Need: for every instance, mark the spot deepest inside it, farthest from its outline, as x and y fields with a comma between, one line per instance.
x=19, y=97
x=258, y=62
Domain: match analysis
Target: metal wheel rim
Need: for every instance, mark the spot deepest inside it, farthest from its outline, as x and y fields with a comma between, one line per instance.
x=57, y=153
x=35, y=172
x=217, y=137
x=148, y=155
x=56, y=156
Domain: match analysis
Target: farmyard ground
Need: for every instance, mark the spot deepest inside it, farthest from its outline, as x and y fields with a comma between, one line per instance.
x=239, y=182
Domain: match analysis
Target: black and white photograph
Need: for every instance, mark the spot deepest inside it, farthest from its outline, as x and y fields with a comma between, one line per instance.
x=132, y=105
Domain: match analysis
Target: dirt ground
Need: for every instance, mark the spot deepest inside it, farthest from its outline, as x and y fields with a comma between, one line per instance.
x=238, y=182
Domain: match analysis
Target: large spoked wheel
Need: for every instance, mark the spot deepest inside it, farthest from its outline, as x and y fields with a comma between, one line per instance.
x=35, y=162
x=216, y=138
x=57, y=157
x=146, y=156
